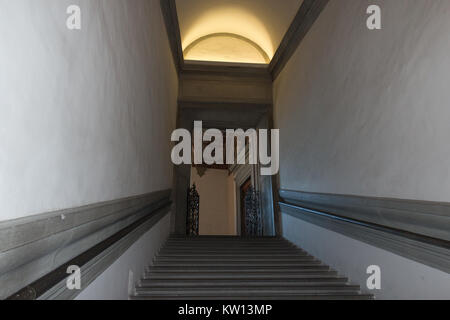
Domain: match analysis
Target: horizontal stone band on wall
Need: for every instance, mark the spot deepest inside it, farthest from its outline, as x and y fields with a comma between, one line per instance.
x=410, y=222
x=34, y=246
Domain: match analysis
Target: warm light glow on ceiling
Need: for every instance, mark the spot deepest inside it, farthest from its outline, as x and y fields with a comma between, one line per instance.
x=250, y=31
x=225, y=47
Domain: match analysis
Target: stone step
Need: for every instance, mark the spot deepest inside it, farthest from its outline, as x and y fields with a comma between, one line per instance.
x=241, y=275
x=249, y=283
x=232, y=248
x=233, y=291
x=223, y=265
x=226, y=239
x=229, y=251
x=236, y=268
x=307, y=297
x=232, y=255
x=233, y=259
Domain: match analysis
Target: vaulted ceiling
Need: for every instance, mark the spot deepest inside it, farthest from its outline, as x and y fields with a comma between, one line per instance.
x=246, y=31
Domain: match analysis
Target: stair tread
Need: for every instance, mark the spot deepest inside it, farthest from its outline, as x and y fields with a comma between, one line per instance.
x=246, y=285
x=261, y=297
x=238, y=270
x=242, y=264
x=240, y=290
x=242, y=276
x=231, y=258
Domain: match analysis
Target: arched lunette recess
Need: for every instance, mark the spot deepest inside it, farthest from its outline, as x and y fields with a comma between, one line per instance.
x=234, y=48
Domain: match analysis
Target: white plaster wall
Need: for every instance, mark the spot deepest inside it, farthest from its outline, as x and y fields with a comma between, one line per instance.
x=367, y=112
x=217, y=213
x=113, y=284
x=85, y=116
x=401, y=278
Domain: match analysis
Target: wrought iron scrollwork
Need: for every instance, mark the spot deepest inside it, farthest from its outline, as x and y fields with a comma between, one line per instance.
x=253, y=221
x=193, y=212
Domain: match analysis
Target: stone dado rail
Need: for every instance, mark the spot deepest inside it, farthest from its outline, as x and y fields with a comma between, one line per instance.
x=34, y=250
x=418, y=230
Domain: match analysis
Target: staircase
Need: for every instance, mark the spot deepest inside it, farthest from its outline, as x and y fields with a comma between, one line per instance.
x=224, y=268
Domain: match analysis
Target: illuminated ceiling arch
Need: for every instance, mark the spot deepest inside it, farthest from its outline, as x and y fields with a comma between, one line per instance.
x=251, y=22
x=228, y=20
x=226, y=47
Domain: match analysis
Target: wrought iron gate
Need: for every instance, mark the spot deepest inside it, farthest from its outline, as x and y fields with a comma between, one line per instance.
x=193, y=212
x=253, y=221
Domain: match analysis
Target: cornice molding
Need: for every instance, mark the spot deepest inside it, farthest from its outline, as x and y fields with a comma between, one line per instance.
x=170, y=15
x=308, y=13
